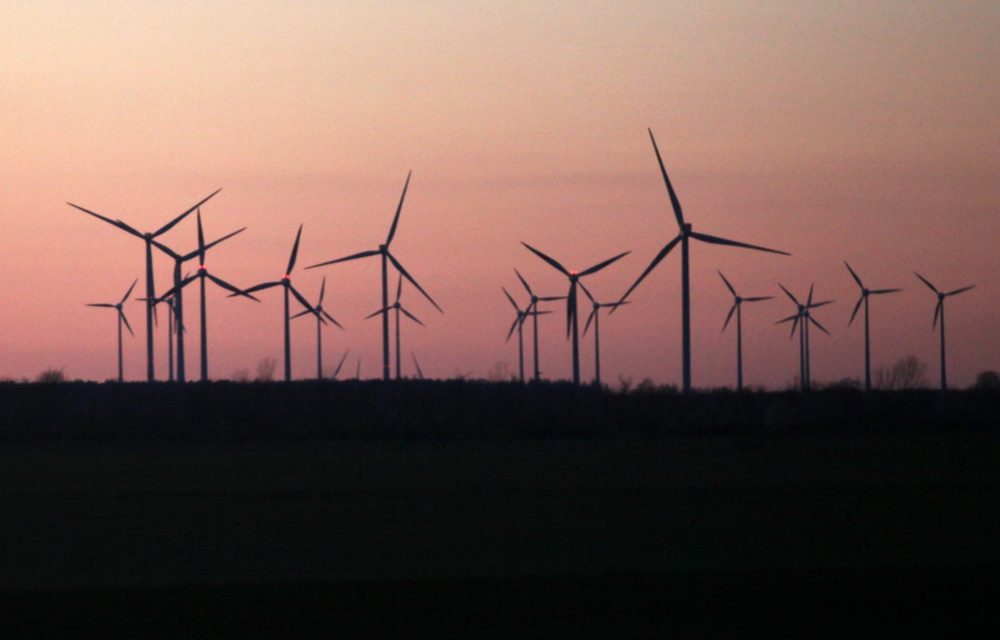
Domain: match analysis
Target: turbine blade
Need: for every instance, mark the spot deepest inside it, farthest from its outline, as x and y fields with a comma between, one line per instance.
x=551, y=298
x=758, y=299
x=958, y=291
x=416, y=364
x=590, y=318
x=795, y=325
x=788, y=319
x=729, y=316
x=340, y=364
x=674, y=202
x=570, y=307
x=652, y=265
x=167, y=250
x=412, y=317
x=816, y=305
x=125, y=320
x=728, y=286
x=201, y=241
x=354, y=256
x=854, y=275
x=513, y=326
x=704, y=237
x=407, y=275
x=377, y=313
x=937, y=312
x=524, y=282
x=220, y=240
x=399, y=288
x=231, y=288
x=116, y=223
x=882, y=291
x=587, y=291
x=295, y=252
x=322, y=290
x=300, y=314
x=262, y=286
x=809, y=300
x=558, y=267
x=857, y=308
x=788, y=293
x=821, y=327
x=170, y=225
x=302, y=300
x=331, y=319
x=399, y=208
x=597, y=267
x=927, y=282
x=129, y=292
x=509, y=297
x=101, y=304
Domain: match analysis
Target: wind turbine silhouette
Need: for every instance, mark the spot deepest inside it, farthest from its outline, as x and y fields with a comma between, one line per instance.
x=518, y=324
x=737, y=308
x=533, y=305
x=398, y=309
x=801, y=320
x=336, y=372
x=286, y=283
x=121, y=318
x=595, y=317
x=683, y=239
x=939, y=312
x=320, y=315
x=178, y=290
x=201, y=275
x=572, y=322
x=865, y=292
x=416, y=363
x=383, y=251
x=150, y=288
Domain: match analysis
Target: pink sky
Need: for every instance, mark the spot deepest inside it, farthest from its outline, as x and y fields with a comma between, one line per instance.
x=859, y=131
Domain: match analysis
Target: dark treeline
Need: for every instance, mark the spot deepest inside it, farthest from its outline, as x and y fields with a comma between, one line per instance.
x=228, y=411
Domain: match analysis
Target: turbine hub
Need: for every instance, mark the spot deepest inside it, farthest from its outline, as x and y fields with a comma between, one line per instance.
x=865, y=292
x=286, y=277
x=686, y=228
x=738, y=299
x=382, y=248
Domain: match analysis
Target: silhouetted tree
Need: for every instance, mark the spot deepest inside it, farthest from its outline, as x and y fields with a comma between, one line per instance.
x=909, y=372
x=987, y=380
x=51, y=376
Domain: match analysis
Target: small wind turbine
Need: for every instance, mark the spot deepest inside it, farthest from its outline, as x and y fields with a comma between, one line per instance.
x=398, y=308
x=121, y=319
x=320, y=315
x=150, y=288
x=595, y=317
x=572, y=326
x=865, y=292
x=416, y=363
x=286, y=283
x=801, y=320
x=737, y=308
x=522, y=315
x=383, y=251
x=939, y=313
x=201, y=275
x=683, y=238
x=336, y=372
x=533, y=306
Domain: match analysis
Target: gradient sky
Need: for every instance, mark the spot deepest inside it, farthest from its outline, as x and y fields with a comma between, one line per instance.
x=866, y=131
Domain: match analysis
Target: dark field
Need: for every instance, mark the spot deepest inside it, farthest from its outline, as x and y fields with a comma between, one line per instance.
x=591, y=534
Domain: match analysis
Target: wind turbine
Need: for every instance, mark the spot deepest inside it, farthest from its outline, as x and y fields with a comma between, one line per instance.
x=398, y=308
x=178, y=295
x=121, y=319
x=336, y=372
x=595, y=317
x=286, y=283
x=572, y=326
x=320, y=315
x=522, y=315
x=801, y=320
x=150, y=288
x=534, y=306
x=865, y=292
x=939, y=312
x=201, y=275
x=383, y=251
x=683, y=238
x=416, y=363
x=738, y=309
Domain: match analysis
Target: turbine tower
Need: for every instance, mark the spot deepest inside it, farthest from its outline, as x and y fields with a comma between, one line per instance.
x=320, y=315
x=286, y=283
x=201, y=275
x=939, y=313
x=595, y=317
x=572, y=322
x=121, y=319
x=383, y=251
x=398, y=308
x=801, y=320
x=533, y=306
x=684, y=236
x=737, y=308
x=865, y=292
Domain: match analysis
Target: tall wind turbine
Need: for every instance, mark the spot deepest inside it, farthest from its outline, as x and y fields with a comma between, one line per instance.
x=178, y=295
x=572, y=321
x=737, y=308
x=683, y=238
x=321, y=317
x=533, y=306
x=939, y=313
x=383, y=251
x=121, y=319
x=150, y=288
x=398, y=308
x=800, y=320
x=286, y=283
x=201, y=275
x=595, y=317
x=520, y=317
x=865, y=292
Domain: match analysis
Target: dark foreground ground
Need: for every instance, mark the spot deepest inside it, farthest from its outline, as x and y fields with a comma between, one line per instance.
x=612, y=532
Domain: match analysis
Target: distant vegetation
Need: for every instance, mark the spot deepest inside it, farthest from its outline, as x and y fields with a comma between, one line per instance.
x=908, y=373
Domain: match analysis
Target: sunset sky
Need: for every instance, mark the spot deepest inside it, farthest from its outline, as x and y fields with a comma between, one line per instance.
x=865, y=131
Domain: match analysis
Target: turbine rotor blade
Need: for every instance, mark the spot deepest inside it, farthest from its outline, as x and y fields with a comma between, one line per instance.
x=513, y=326
x=597, y=267
x=758, y=299
x=729, y=316
x=215, y=242
x=788, y=293
x=412, y=317
x=299, y=314
x=201, y=241
x=958, y=291
x=125, y=320
x=927, y=282
x=340, y=364
x=399, y=288
x=937, y=312
x=854, y=275
x=302, y=300
x=167, y=250
x=129, y=292
x=322, y=290
x=570, y=307
x=399, y=209
x=407, y=275
x=554, y=263
x=377, y=313
x=652, y=265
x=857, y=308
x=354, y=256
x=809, y=300
x=231, y=288
x=262, y=286
x=509, y=297
x=704, y=237
x=590, y=318
x=331, y=319
x=788, y=319
x=170, y=225
x=816, y=322
x=883, y=291
x=117, y=223
x=101, y=304
x=416, y=364
x=674, y=202
x=295, y=252
x=587, y=292
x=524, y=282
x=728, y=286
